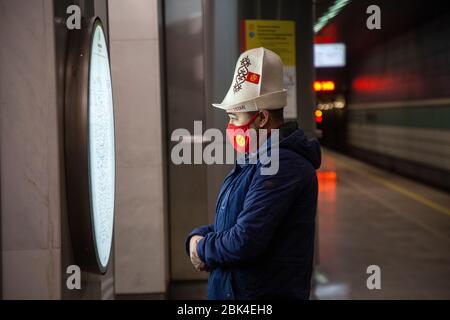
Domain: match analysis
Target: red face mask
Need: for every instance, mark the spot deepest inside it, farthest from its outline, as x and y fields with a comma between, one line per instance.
x=239, y=136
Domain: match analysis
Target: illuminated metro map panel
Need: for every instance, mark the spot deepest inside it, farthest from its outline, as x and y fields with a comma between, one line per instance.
x=101, y=149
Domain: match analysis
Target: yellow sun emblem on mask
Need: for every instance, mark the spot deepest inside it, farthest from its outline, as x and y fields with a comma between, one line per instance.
x=240, y=140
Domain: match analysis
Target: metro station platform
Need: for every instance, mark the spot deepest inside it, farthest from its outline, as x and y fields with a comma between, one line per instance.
x=368, y=216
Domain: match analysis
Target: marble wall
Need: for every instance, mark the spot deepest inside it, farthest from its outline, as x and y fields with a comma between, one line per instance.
x=141, y=246
x=30, y=189
x=31, y=169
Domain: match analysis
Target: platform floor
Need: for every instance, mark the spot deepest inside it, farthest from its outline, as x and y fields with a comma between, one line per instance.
x=368, y=216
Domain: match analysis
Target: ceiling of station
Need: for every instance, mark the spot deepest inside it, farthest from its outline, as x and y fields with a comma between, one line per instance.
x=397, y=16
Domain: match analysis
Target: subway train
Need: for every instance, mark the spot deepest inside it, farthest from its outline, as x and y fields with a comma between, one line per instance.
x=389, y=105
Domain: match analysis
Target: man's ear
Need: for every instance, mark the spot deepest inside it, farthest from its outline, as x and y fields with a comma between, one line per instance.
x=264, y=116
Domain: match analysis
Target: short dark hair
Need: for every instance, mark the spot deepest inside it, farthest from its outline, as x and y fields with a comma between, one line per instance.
x=277, y=114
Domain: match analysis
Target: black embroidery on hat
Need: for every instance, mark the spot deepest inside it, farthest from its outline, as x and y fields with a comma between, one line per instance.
x=241, y=74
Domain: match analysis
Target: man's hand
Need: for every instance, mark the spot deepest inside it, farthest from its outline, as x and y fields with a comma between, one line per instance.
x=198, y=264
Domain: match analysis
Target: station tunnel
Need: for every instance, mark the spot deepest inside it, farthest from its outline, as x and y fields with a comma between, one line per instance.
x=96, y=96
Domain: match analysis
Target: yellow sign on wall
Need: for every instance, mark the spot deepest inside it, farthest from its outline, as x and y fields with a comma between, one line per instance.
x=275, y=35
x=279, y=37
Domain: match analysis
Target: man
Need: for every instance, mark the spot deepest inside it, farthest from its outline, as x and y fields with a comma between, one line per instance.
x=261, y=245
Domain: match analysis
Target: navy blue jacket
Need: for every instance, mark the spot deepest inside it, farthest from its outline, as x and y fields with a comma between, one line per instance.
x=261, y=245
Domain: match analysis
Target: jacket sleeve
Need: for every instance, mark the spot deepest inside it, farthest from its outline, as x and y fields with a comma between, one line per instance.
x=268, y=200
x=201, y=231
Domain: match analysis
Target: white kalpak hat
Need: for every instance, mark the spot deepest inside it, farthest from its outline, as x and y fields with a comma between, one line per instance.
x=257, y=83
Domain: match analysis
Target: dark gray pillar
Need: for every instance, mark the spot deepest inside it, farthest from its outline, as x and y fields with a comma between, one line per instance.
x=305, y=65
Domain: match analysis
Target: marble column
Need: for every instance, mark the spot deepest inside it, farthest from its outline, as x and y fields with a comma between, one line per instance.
x=30, y=189
x=141, y=246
